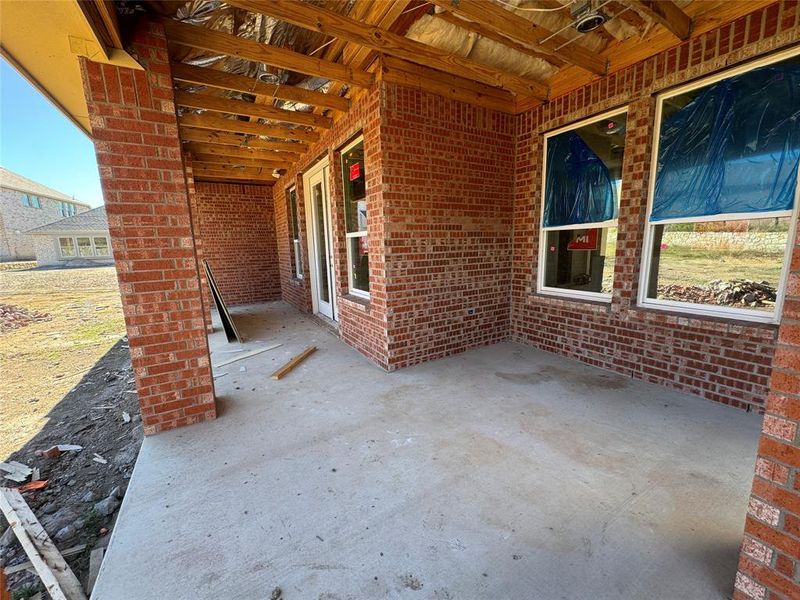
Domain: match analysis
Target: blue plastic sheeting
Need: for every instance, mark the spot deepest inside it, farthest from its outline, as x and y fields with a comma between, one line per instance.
x=734, y=148
x=579, y=188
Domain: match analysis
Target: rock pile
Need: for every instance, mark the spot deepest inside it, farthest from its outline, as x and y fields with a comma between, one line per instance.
x=13, y=317
x=737, y=292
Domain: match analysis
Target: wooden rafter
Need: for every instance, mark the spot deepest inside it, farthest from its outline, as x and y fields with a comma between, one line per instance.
x=214, y=169
x=250, y=85
x=102, y=18
x=667, y=14
x=250, y=109
x=231, y=139
x=240, y=152
x=491, y=34
x=231, y=45
x=234, y=161
x=215, y=123
x=511, y=25
x=381, y=40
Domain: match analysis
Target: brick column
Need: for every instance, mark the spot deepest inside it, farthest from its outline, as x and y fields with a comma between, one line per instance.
x=135, y=132
x=769, y=567
x=194, y=211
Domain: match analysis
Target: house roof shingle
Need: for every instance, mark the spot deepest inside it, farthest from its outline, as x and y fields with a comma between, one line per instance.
x=91, y=220
x=15, y=181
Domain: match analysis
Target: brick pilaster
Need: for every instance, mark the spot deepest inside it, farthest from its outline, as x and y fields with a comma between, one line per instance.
x=769, y=566
x=135, y=132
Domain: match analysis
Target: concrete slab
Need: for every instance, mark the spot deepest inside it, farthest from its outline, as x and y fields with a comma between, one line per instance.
x=503, y=473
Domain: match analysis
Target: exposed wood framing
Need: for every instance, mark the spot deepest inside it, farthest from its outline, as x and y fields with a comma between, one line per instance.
x=240, y=107
x=214, y=171
x=667, y=14
x=238, y=141
x=231, y=45
x=215, y=123
x=382, y=40
x=248, y=153
x=491, y=34
x=250, y=85
x=511, y=25
x=213, y=159
x=102, y=18
x=394, y=70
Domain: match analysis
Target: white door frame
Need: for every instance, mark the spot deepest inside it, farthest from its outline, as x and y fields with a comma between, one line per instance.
x=320, y=171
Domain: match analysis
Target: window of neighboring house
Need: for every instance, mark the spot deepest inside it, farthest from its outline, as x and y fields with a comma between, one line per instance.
x=31, y=201
x=85, y=246
x=582, y=180
x=67, y=209
x=294, y=233
x=355, y=216
x=67, y=247
x=101, y=246
x=723, y=198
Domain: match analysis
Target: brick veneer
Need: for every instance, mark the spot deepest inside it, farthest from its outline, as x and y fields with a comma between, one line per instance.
x=720, y=360
x=362, y=324
x=448, y=175
x=135, y=134
x=236, y=224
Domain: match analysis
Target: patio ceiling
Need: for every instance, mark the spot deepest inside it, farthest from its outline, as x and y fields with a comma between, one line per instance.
x=260, y=79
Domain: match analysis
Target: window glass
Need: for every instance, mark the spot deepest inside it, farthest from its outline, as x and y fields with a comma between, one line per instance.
x=723, y=194
x=583, y=179
x=67, y=246
x=101, y=246
x=355, y=212
x=294, y=234
x=85, y=246
x=25, y=200
x=355, y=190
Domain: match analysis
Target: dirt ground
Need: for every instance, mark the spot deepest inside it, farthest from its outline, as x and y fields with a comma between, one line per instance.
x=66, y=379
x=43, y=361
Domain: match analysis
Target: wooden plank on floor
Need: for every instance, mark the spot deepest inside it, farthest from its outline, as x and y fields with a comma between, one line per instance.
x=58, y=579
x=289, y=366
x=95, y=560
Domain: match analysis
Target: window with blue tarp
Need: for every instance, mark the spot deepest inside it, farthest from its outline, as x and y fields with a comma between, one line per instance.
x=583, y=176
x=731, y=147
x=724, y=194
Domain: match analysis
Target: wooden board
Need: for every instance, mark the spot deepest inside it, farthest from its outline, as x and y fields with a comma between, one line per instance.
x=289, y=366
x=58, y=579
x=231, y=333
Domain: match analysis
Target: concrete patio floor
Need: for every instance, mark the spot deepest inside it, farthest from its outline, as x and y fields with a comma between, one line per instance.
x=503, y=473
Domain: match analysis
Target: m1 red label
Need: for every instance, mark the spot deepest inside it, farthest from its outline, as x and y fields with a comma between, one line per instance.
x=355, y=171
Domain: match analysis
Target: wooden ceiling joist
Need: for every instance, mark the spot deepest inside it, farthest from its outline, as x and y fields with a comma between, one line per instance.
x=215, y=123
x=239, y=162
x=218, y=170
x=328, y=22
x=511, y=25
x=231, y=45
x=667, y=14
x=218, y=138
x=249, y=85
x=250, y=109
x=491, y=34
x=234, y=152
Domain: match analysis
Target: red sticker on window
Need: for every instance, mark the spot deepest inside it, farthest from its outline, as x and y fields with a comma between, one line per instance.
x=585, y=241
x=363, y=245
x=355, y=171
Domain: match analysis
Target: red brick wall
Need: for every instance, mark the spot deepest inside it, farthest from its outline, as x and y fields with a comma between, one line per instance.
x=448, y=177
x=720, y=360
x=236, y=224
x=198, y=242
x=362, y=324
x=135, y=133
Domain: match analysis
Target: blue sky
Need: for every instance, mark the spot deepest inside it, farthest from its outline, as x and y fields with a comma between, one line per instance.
x=40, y=143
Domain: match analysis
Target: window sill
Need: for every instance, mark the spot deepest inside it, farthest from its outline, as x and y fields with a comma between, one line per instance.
x=357, y=302
x=687, y=314
x=599, y=304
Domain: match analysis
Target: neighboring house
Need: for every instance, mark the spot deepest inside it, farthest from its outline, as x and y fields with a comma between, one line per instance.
x=25, y=204
x=81, y=239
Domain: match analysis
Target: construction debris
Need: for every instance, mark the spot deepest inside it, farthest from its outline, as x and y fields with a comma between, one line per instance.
x=126, y=416
x=737, y=292
x=28, y=565
x=13, y=317
x=245, y=355
x=58, y=579
x=289, y=366
x=58, y=450
x=16, y=471
x=33, y=486
x=95, y=560
x=99, y=459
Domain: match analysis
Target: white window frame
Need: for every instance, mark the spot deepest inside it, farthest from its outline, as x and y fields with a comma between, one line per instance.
x=541, y=288
x=78, y=255
x=355, y=234
x=709, y=310
x=297, y=246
